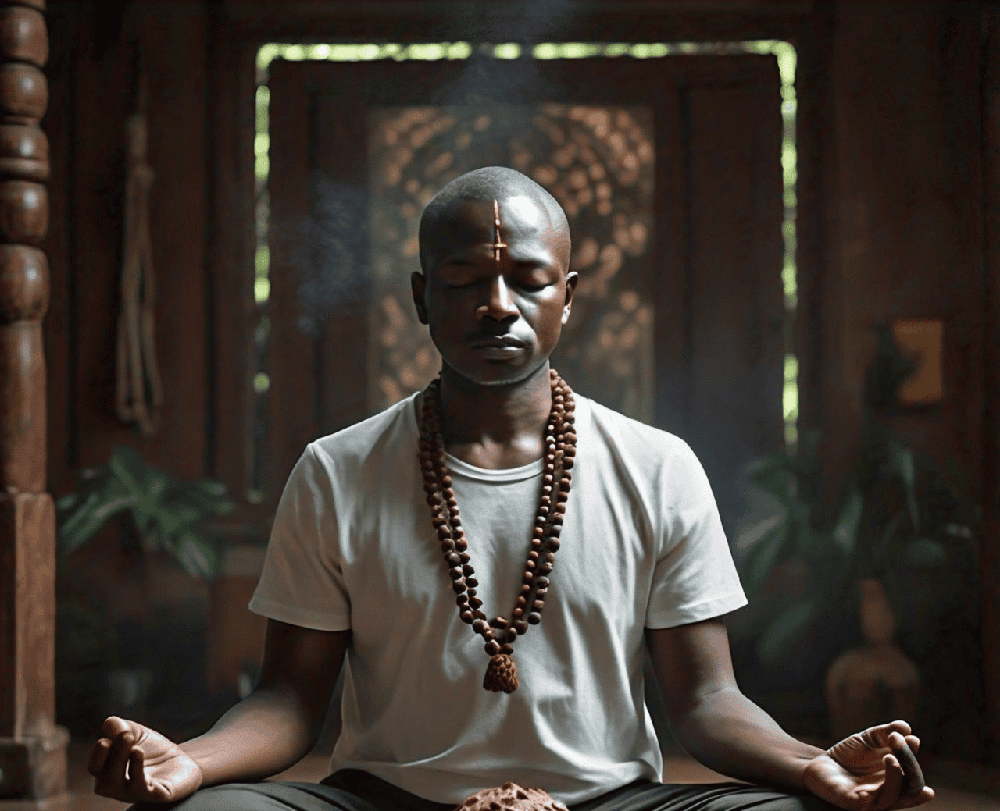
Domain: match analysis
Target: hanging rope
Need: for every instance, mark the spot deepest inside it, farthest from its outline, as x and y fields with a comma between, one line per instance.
x=138, y=386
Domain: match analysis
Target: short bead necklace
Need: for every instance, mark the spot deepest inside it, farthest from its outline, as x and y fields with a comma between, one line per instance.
x=560, y=451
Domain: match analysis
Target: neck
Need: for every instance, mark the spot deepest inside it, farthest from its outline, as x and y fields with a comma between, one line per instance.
x=495, y=427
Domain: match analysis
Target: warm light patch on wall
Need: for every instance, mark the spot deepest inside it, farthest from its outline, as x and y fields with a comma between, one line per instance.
x=921, y=340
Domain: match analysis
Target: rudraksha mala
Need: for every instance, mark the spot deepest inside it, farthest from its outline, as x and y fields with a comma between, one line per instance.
x=560, y=452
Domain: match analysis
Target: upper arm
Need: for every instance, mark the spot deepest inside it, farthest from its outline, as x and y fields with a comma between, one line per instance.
x=690, y=661
x=303, y=661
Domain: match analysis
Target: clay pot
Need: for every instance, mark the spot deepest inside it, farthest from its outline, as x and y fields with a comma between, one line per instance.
x=876, y=683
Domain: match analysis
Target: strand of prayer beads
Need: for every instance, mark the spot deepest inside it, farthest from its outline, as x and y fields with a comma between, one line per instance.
x=500, y=632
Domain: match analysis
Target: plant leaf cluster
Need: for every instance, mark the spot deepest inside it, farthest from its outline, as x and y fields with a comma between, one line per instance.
x=168, y=514
x=892, y=509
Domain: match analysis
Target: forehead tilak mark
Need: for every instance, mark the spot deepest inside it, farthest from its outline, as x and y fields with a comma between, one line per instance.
x=498, y=237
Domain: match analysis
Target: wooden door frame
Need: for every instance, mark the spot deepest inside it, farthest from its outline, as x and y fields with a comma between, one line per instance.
x=238, y=29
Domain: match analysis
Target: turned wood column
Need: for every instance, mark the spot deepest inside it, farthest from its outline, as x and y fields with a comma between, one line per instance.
x=32, y=747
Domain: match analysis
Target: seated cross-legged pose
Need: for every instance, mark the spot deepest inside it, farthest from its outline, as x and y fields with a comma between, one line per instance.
x=494, y=557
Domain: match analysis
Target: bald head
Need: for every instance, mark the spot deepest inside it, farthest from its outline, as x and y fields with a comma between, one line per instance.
x=487, y=184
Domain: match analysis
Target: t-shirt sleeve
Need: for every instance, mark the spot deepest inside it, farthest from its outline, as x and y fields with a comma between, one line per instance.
x=694, y=577
x=302, y=581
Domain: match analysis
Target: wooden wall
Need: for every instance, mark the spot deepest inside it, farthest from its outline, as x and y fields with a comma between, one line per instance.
x=892, y=202
x=93, y=84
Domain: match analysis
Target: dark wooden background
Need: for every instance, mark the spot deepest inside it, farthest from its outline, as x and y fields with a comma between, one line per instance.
x=898, y=148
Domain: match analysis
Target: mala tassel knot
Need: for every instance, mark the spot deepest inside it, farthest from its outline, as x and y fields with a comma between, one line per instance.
x=501, y=675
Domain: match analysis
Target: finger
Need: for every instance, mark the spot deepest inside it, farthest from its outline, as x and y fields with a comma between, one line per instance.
x=136, y=783
x=113, y=773
x=913, y=742
x=913, y=776
x=98, y=755
x=914, y=800
x=892, y=784
x=900, y=726
x=113, y=725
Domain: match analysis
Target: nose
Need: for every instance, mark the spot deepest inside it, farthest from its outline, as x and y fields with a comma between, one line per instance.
x=500, y=304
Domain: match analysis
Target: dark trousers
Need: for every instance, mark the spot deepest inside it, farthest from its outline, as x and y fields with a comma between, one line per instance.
x=352, y=790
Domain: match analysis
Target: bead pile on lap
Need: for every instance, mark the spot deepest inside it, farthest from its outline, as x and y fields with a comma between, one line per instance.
x=511, y=797
x=560, y=453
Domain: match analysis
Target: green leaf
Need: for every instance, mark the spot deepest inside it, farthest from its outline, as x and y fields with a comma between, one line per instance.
x=773, y=474
x=845, y=529
x=925, y=552
x=93, y=513
x=198, y=557
x=771, y=550
x=787, y=629
x=901, y=459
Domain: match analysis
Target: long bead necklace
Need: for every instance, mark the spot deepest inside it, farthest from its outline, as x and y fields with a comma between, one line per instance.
x=500, y=632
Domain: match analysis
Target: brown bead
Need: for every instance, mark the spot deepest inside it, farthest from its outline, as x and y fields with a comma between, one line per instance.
x=530, y=564
x=446, y=480
x=538, y=605
x=466, y=617
x=544, y=568
x=453, y=559
x=507, y=649
x=458, y=585
x=529, y=577
x=498, y=622
x=534, y=618
x=456, y=573
x=521, y=627
x=542, y=582
x=462, y=600
x=447, y=546
x=464, y=557
x=550, y=558
x=472, y=582
x=553, y=544
x=471, y=592
x=475, y=602
x=518, y=612
x=478, y=626
x=444, y=533
x=492, y=647
x=467, y=569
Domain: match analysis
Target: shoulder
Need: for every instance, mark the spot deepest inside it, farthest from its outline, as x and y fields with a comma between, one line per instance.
x=628, y=436
x=383, y=433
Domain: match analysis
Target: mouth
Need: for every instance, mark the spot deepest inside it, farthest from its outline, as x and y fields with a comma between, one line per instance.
x=498, y=347
x=498, y=342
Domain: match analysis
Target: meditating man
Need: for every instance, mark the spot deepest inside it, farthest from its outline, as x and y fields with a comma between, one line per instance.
x=494, y=556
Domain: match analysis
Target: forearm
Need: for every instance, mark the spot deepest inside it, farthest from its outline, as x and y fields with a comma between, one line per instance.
x=264, y=734
x=733, y=736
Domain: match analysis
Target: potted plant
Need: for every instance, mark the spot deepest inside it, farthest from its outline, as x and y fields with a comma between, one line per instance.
x=894, y=512
x=106, y=605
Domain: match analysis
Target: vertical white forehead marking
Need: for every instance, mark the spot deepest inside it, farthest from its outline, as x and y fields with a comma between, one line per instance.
x=498, y=242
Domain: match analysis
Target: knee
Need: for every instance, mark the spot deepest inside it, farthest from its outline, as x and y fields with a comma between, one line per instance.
x=231, y=797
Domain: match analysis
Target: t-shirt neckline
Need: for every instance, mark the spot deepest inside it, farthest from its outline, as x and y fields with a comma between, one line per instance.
x=464, y=469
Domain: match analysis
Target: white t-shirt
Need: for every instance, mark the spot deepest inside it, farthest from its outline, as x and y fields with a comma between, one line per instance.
x=353, y=547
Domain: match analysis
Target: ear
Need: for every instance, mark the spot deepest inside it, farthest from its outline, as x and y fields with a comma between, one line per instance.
x=418, y=284
x=571, y=281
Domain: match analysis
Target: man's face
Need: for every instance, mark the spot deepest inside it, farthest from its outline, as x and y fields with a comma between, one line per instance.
x=495, y=296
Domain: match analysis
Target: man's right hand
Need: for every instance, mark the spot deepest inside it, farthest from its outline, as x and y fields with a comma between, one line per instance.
x=132, y=763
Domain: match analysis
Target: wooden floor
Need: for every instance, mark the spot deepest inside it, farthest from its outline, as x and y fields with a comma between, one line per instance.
x=956, y=790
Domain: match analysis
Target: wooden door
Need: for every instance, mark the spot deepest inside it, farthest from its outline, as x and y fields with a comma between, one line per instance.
x=669, y=170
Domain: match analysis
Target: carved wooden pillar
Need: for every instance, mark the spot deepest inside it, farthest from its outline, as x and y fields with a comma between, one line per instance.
x=32, y=747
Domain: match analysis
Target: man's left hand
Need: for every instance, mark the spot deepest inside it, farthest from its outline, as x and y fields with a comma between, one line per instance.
x=869, y=771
